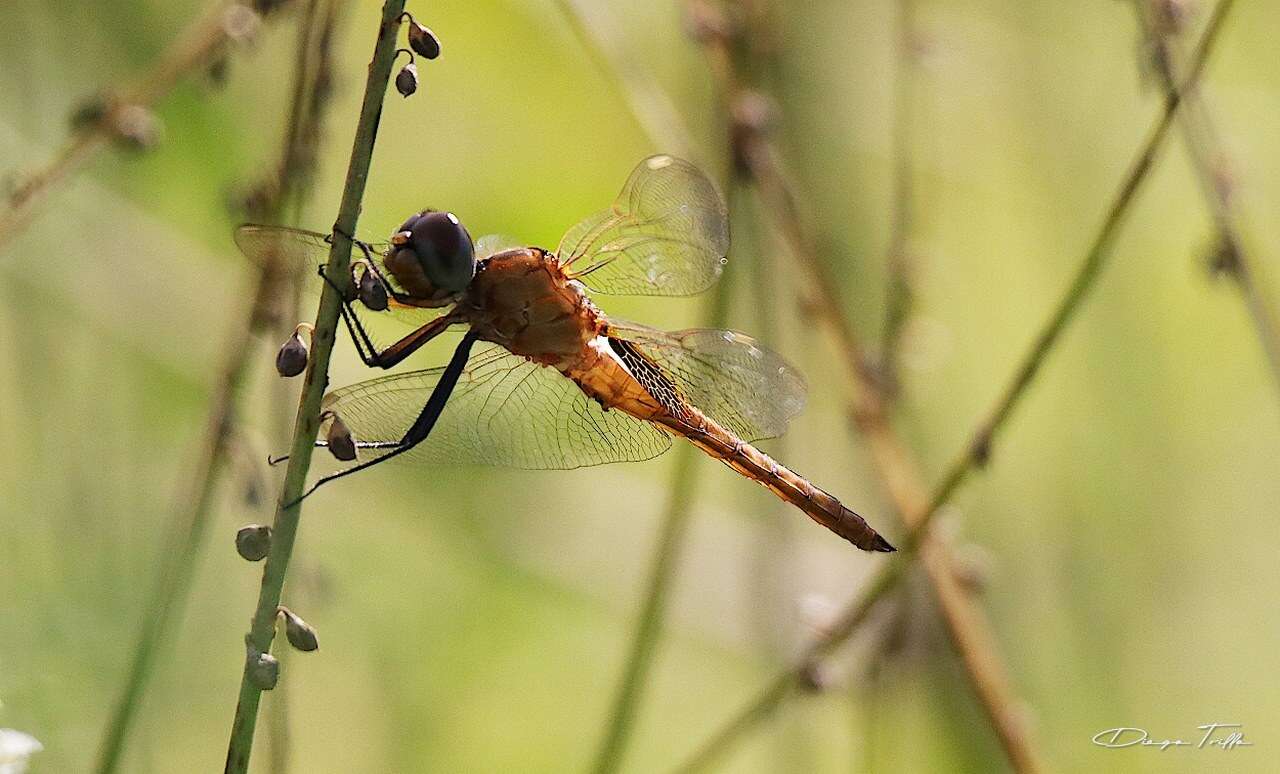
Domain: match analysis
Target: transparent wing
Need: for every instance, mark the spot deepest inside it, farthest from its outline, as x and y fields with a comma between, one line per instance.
x=728, y=375
x=665, y=235
x=490, y=244
x=505, y=411
x=305, y=252
x=293, y=248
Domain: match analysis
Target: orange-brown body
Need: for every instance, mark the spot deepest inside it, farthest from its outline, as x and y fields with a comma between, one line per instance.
x=522, y=300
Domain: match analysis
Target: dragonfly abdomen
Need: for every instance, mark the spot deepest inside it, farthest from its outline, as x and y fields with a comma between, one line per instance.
x=788, y=485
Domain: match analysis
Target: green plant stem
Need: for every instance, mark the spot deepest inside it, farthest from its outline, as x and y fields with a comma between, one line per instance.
x=782, y=686
x=663, y=562
x=307, y=422
x=192, y=514
x=971, y=633
x=189, y=533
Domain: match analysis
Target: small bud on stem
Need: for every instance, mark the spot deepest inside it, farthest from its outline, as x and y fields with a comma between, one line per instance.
x=338, y=439
x=253, y=542
x=407, y=80
x=423, y=40
x=291, y=360
x=371, y=292
x=299, y=632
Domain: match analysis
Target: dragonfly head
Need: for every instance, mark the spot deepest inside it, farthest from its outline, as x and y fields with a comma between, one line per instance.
x=441, y=245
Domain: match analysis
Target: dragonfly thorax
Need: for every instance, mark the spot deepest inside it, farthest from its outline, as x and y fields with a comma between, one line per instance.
x=524, y=302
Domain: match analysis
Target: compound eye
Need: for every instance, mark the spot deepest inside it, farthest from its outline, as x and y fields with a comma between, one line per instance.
x=444, y=249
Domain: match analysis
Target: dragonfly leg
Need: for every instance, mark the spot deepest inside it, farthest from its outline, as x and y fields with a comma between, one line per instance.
x=397, y=352
x=422, y=426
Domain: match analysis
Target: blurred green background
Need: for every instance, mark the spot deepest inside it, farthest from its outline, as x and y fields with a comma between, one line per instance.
x=477, y=619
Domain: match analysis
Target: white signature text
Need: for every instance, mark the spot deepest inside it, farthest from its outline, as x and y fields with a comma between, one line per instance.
x=1224, y=736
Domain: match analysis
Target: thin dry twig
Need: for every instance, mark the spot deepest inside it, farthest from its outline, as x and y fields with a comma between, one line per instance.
x=899, y=295
x=194, y=49
x=969, y=629
x=1162, y=22
x=190, y=528
x=307, y=423
x=967, y=632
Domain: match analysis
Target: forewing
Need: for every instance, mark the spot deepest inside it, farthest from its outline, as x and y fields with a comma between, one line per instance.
x=304, y=253
x=666, y=235
x=505, y=411
x=729, y=376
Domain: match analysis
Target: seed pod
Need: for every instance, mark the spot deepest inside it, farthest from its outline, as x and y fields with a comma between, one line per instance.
x=372, y=293
x=264, y=670
x=291, y=360
x=815, y=677
x=88, y=113
x=136, y=128
x=299, y=632
x=423, y=41
x=217, y=70
x=253, y=541
x=341, y=444
x=407, y=80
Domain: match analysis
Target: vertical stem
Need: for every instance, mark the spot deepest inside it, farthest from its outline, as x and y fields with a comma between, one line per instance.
x=898, y=290
x=191, y=523
x=666, y=556
x=665, y=559
x=307, y=423
x=189, y=531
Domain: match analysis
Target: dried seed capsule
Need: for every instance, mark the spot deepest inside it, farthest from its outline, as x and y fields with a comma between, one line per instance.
x=291, y=360
x=372, y=293
x=88, y=113
x=299, y=632
x=136, y=128
x=815, y=677
x=253, y=541
x=423, y=40
x=264, y=670
x=407, y=80
x=217, y=70
x=341, y=444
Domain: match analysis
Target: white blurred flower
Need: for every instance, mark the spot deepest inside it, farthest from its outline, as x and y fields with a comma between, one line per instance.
x=817, y=612
x=15, y=748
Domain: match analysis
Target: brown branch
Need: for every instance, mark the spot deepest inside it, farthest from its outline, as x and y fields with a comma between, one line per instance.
x=967, y=625
x=1161, y=24
x=223, y=23
x=969, y=632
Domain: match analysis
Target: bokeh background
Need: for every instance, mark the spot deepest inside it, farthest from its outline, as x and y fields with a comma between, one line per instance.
x=477, y=619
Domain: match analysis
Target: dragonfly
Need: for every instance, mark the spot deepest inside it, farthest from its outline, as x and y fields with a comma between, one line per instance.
x=558, y=384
